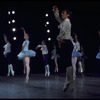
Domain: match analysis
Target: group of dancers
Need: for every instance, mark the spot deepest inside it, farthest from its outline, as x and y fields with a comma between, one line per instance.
x=70, y=48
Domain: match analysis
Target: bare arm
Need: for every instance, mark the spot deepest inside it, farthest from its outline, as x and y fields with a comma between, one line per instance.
x=5, y=37
x=24, y=31
x=39, y=46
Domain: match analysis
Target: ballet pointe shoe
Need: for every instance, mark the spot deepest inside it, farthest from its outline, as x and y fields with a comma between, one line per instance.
x=27, y=79
x=56, y=70
x=13, y=73
x=46, y=71
x=8, y=75
x=24, y=71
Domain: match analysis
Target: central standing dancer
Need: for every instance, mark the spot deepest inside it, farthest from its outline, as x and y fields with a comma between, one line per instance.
x=25, y=55
x=64, y=41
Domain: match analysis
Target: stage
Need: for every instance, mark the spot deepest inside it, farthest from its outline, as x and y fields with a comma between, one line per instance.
x=41, y=87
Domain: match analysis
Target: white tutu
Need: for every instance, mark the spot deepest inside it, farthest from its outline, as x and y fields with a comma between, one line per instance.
x=76, y=54
x=55, y=56
x=98, y=55
x=29, y=53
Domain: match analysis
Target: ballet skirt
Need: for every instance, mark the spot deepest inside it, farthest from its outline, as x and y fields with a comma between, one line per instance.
x=98, y=55
x=76, y=54
x=54, y=54
x=26, y=52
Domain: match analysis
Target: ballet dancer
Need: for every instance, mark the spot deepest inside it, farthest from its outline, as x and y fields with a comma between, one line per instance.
x=7, y=54
x=54, y=57
x=44, y=50
x=75, y=55
x=25, y=55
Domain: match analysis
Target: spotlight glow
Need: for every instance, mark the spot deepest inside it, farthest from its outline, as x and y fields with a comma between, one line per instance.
x=13, y=12
x=9, y=22
x=47, y=23
x=13, y=29
x=14, y=38
x=46, y=15
x=49, y=39
x=48, y=31
x=8, y=12
x=13, y=21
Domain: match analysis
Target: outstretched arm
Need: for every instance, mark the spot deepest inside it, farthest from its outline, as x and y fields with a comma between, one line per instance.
x=39, y=46
x=56, y=13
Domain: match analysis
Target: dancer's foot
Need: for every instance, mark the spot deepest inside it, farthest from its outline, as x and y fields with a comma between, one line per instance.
x=8, y=75
x=27, y=79
x=13, y=73
x=57, y=69
x=24, y=71
x=48, y=73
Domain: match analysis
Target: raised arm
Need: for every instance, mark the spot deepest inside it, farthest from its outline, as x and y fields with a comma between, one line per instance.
x=5, y=37
x=56, y=13
x=25, y=34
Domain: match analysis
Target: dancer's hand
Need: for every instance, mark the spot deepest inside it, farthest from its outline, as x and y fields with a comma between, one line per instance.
x=4, y=35
x=55, y=8
x=22, y=28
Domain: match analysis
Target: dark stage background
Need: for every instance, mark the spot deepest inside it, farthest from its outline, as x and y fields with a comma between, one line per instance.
x=31, y=15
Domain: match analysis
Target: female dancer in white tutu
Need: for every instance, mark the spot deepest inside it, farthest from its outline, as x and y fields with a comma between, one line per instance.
x=98, y=54
x=44, y=50
x=25, y=55
x=81, y=61
x=55, y=56
x=75, y=55
x=7, y=54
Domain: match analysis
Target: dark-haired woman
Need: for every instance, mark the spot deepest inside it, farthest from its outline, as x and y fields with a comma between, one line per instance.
x=64, y=41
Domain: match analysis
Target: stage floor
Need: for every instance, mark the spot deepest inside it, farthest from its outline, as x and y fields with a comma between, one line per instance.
x=41, y=87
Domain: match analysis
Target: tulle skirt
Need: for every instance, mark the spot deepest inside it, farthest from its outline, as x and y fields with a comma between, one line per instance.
x=98, y=55
x=55, y=56
x=28, y=53
x=76, y=54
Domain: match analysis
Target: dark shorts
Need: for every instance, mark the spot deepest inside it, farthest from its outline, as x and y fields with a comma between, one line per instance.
x=45, y=59
x=8, y=58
